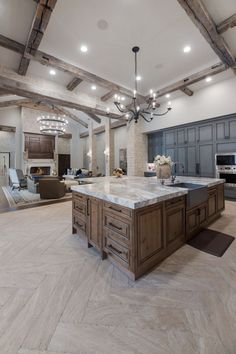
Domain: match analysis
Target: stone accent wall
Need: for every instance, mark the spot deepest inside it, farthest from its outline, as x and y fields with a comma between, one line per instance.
x=136, y=149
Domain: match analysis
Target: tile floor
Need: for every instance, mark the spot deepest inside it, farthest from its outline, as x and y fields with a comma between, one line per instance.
x=58, y=297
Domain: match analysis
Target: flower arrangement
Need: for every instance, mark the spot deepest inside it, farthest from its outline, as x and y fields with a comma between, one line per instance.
x=163, y=167
x=162, y=160
x=118, y=172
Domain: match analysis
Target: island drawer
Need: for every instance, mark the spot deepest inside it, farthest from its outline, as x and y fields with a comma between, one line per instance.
x=116, y=237
x=117, y=251
x=79, y=207
x=117, y=209
x=79, y=197
x=174, y=202
x=78, y=223
x=117, y=225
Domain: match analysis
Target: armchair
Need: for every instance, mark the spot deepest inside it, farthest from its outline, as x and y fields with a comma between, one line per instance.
x=51, y=188
x=17, y=178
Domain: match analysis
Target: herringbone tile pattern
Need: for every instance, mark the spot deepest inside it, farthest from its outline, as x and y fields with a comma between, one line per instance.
x=58, y=297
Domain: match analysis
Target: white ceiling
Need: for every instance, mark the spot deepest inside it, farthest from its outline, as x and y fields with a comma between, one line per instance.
x=160, y=27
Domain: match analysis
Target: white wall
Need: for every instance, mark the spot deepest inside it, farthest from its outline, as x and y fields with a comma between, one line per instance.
x=100, y=156
x=12, y=117
x=209, y=102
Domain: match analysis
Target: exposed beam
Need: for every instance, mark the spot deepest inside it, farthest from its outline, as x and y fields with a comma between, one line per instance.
x=73, y=83
x=47, y=59
x=187, y=91
x=37, y=90
x=192, y=79
x=108, y=95
x=101, y=129
x=4, y=93
x=12, y=103
x=94, y=117
x=200, y=16
x=72, y=116
x=41, y=106
x=39, y=24
x=226, y=24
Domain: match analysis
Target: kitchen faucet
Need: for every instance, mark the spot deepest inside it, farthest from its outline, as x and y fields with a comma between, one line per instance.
x=173, y=167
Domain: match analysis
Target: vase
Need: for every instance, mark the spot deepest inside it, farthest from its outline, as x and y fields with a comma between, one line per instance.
x=163, y=171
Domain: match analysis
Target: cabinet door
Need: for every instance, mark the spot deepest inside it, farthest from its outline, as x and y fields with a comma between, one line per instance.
x=205, y=133
x=212, y=202
x=181, y=158
x=169, y=138
x=220, y=197
x=171, y=152
x=192, y=223
x=202, y=211
x=191, y=161
x=232, y=129
x=206, y=160
x=180, y=136
x=175, y=224
x=191, y=136
x=94, y=221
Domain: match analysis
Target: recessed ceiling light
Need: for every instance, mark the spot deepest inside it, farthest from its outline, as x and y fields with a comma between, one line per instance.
x=93, y=87
x=208, y=79
x=138, y=78
x=122, y=98
x=187, y=49
x=52, y=72
x=167, y=95
x=84, y=48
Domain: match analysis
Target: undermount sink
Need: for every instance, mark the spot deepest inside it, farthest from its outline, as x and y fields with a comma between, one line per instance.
x=197, y=193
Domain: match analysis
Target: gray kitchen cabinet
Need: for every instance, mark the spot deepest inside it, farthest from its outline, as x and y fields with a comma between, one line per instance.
x=169, y=138
x=206, y=160
x=181, y=167
x=194, y=145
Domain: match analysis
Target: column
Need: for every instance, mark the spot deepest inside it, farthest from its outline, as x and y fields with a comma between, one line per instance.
x=109, y=148
x=92, y=149
x=137, y=154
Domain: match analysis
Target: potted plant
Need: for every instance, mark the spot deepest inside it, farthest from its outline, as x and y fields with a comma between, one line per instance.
x=163, y=167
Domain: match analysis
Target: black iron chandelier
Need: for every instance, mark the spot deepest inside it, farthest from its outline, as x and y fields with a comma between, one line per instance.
x=134, y=111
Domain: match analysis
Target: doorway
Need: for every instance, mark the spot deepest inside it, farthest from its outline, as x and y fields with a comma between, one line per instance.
x=63, y=164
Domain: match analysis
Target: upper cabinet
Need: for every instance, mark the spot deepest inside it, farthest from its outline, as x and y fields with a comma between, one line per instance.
x=169, y=138
x=205, y=133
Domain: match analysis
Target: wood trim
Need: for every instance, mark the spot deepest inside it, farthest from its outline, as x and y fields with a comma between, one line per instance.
x=101, y=129
x=74, y=83
x=12, y=103
x=39, y=24
x=200, y=16
x=230, y=22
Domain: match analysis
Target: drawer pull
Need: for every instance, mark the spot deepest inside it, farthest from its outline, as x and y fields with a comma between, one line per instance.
x=118, y=210
x=114, y=249
x=115, y=227
x=79, y=225
x=80, y=209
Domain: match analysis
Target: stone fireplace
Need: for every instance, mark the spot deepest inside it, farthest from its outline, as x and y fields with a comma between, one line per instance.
x=39, y=166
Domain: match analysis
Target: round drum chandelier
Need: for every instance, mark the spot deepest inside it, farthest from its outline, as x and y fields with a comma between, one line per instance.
x=52, y=124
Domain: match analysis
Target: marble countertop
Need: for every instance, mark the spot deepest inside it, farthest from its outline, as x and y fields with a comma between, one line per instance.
x=137, y=192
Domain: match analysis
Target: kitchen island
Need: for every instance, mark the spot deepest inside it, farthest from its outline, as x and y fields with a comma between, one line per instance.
x=136, y=222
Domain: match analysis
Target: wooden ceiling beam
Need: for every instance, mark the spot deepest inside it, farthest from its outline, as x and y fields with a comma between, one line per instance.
x=12, y=103
x=200, y=16
x=101, y=129
x=39, y=24
x=108, y=96
x=94, y=117
x=72, y=116
x=74, y=83
x=49, y=60
x=226, y=24
x=192, y=79
x=187, y=91
x=37, y=90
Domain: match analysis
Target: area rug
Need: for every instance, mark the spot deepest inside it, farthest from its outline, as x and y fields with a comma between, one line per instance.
x=212, y=242
x=23, y=197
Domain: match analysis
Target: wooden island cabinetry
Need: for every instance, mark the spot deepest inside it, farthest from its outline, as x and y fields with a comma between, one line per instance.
x=136, y=240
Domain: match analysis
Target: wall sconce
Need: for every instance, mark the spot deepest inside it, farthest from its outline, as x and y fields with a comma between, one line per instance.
x=106, y=152
x=89, y=154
